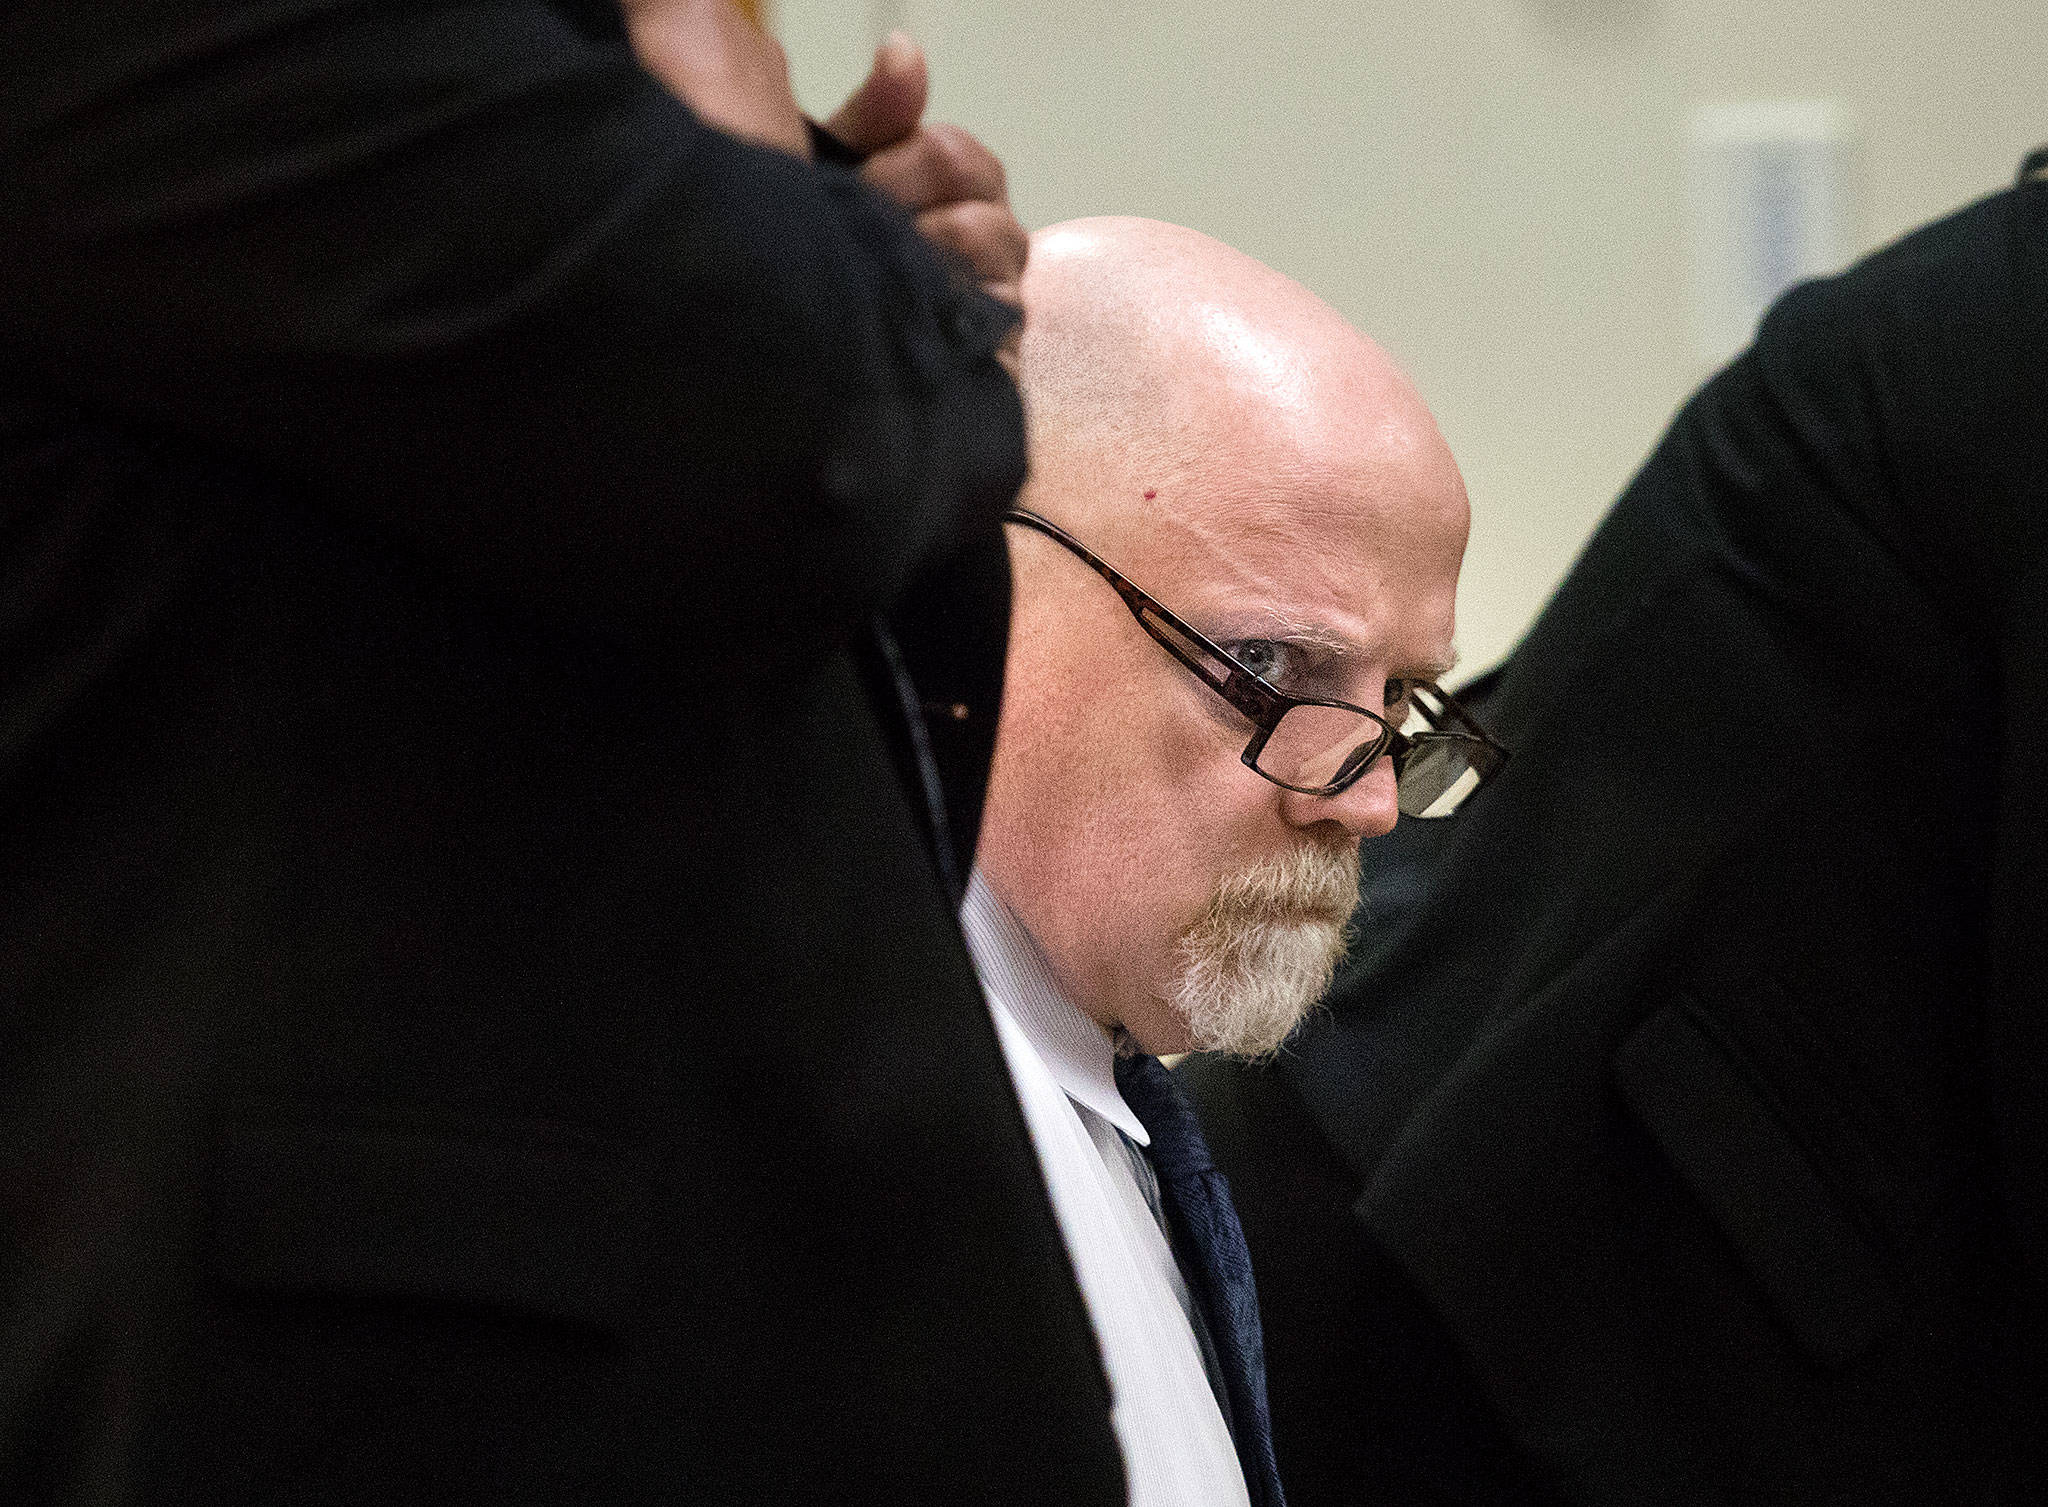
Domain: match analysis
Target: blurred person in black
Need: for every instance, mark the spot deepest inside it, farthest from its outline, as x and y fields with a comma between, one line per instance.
x=484, y=1016
x=1678, y=1132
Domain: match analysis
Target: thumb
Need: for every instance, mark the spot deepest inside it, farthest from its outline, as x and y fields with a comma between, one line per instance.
x=890, y=101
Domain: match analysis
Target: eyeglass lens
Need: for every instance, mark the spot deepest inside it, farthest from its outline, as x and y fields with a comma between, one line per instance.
x=1440, y=770
x=1315, y=746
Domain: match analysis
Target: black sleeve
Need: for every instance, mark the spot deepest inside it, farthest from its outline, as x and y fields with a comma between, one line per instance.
x=471, y=276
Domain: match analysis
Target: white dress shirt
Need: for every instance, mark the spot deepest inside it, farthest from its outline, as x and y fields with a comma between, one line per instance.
x=1177, y=1449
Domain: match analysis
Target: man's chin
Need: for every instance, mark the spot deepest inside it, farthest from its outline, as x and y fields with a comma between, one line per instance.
x=1243, y=986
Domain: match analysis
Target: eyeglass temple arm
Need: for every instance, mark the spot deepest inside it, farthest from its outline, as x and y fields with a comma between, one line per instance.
x=1241, y=689
x=1463, y=717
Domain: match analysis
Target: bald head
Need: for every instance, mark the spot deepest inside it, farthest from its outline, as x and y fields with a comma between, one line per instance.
x=1147, y=340
x=1225, y=441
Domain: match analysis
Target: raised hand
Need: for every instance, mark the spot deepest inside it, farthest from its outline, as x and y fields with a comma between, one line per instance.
x=730, y=72
x=952, y=185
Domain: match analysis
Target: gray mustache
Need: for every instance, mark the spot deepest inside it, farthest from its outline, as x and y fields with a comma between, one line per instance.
x=1310, y=884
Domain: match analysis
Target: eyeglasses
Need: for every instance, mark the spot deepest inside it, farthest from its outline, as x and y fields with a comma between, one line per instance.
x=1318, y=747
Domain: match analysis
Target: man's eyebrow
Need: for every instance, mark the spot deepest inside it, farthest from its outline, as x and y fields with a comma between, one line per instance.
x=1337, y=646
x=1279, y=625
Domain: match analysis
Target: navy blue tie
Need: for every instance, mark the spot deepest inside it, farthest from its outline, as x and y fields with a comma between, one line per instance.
x=1209, y=1245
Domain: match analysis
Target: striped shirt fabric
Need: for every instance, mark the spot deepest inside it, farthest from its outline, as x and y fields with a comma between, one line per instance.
x=1177, y=1448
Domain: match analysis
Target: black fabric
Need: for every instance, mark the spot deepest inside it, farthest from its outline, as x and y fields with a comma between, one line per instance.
x=482, y=1020
x=1370, y=1401
x=1679, y=1120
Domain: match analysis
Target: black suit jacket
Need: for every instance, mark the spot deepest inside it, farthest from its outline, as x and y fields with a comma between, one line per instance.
x=1676, y=1134
x=480, y=1017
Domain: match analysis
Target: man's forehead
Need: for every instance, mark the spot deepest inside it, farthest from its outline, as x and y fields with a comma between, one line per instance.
x=1239, y=448
x=1319, y=572
x=1328, y=522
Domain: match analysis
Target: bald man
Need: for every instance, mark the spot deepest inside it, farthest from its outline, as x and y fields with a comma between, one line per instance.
x=1235, y=569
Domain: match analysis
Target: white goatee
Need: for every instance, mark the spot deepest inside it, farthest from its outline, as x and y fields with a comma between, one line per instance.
x=1262, y=954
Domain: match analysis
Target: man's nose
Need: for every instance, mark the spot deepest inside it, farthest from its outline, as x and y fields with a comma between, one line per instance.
x=1368, y=808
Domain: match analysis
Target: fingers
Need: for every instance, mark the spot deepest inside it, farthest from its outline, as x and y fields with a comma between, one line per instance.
x=984, y=235
x=737, y=78
x=955, y=190
x=730, y=72
x=938, y=165
x=889, y=103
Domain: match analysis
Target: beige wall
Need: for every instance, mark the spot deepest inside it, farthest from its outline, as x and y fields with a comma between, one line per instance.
x=1493, y=188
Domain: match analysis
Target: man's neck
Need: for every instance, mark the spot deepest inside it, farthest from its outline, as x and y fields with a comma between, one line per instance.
x=1077, y=1050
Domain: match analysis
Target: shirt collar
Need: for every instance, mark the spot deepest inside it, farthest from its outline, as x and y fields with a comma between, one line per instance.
x=1075, y=1050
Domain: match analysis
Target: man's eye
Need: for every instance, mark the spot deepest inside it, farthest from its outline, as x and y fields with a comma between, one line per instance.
x=1266, y=658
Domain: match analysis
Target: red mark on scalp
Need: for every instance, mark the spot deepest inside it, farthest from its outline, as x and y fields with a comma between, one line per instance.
x=1150, y=493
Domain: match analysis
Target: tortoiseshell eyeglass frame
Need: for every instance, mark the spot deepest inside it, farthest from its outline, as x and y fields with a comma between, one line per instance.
x=1263, y=705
